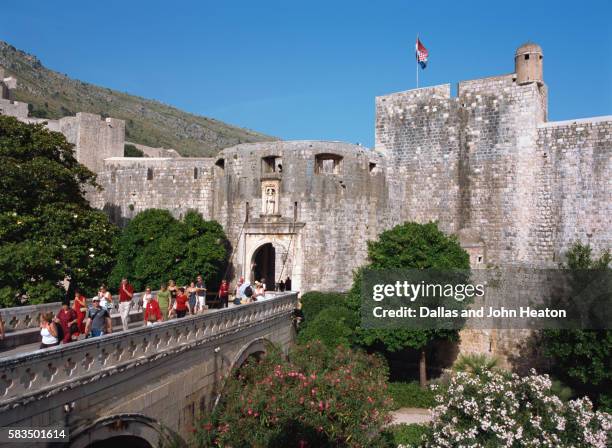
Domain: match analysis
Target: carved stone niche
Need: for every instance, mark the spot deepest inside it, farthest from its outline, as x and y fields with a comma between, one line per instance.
x=270, y=197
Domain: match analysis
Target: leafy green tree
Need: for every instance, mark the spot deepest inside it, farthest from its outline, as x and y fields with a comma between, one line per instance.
x=409, y=245
x=156, y=247
x=47, y=227
x=582, y=358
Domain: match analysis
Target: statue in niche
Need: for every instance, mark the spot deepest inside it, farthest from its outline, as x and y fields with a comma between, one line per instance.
x=270, y=201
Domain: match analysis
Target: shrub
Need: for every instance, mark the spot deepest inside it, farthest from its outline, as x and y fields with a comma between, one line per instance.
x=314, y=302
x=411, y=395
x=499, y=409
x=332, y=326
x=319, y=398
x=130, y=150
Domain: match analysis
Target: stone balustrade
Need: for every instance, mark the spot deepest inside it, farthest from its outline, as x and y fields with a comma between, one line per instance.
x=44, y=373
x=25, y=317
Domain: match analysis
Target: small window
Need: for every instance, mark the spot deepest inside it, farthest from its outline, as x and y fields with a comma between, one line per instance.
x=328, y=164
x=479, y=259
x=271, y=164
x=149, y=173
x=526, y=57
x=195, y=173
x=541, y=57
x=372, y=167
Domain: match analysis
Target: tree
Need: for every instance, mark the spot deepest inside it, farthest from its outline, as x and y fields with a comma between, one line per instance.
x=47, y=227
x=156, y=247
x=581, y=358
x=410, y=245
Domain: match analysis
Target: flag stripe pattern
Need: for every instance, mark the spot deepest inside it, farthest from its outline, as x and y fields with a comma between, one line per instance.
x=421, y=54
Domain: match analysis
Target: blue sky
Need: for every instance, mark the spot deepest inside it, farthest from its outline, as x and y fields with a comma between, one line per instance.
x=311, y=69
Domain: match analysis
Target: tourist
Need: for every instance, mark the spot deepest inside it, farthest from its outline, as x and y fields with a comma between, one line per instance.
x=245, y=292
x=201, y=293
x=263, y=284
x=224, y=293
x=259, y=292
x=67, y=319
x=163, y=299
x=48, y=331
x=237, y=294
x=106, y=298
x=126, y=292
x=146, y=297
x=193, y=300
x=182, y=303
x=98, y=320
x=80, y=308
x=152, y=313
x=288, y=283
x=173, y=290
x=281, y=285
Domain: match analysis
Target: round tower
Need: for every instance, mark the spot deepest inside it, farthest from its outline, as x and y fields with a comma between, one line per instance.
x=528, y=64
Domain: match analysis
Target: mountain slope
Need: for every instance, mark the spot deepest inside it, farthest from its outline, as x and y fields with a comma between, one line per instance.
x=54, y=95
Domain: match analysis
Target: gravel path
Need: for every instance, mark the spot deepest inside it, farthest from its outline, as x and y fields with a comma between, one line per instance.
x=410, y=415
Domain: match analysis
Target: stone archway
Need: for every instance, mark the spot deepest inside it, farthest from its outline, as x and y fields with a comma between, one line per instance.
x=263, y=265
x=254, y=349
x=135, y=430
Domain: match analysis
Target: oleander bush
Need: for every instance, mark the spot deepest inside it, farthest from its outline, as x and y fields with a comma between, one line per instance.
x=318, y=398
x=498, y=409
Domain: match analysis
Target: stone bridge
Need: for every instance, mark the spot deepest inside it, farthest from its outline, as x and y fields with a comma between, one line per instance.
x=140, y=387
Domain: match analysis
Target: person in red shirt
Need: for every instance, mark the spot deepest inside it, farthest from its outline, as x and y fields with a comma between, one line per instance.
x=182, y=303
x=67, y=317
x=126, y=292
x=152, y=312
x=224, y=293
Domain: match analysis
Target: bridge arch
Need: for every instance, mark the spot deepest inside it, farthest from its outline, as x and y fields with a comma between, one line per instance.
x=134, y=430
x=256, y=348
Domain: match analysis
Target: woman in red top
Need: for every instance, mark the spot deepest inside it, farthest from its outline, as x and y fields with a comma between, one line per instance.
x=80, y=308
x=66, y=317
x=152, y=312
x=182, y=303
x=224, y=293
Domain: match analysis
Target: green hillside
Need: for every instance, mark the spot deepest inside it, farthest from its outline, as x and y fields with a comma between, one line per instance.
x=54, y=95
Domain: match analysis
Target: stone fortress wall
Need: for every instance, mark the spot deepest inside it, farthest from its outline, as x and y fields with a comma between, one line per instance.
x=486, y=164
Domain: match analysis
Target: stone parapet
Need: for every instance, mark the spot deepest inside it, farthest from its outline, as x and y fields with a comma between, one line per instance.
x=45, y=373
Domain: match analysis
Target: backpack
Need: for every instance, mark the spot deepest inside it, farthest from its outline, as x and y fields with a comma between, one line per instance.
x=248, y=291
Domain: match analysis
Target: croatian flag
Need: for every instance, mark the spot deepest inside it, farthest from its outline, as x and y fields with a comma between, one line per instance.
x=421, y=54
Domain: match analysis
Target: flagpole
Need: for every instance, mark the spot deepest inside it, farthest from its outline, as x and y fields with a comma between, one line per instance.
x=416, y=59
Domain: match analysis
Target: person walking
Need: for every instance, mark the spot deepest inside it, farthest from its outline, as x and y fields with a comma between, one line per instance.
x=173, y=290
x=106, y=298
x=238, y=294
x=67, y=319
x=201, y=293
x=126, y=292
x=146, y=297
x=182, y=303
x=224, y=293
x=98, y=320
x=80, y=308
x=193, y=300
x=152, y=313
x=48, y=331
x=163, y=299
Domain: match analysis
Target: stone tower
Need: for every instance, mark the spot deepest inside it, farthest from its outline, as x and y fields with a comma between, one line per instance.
x=528, y=61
